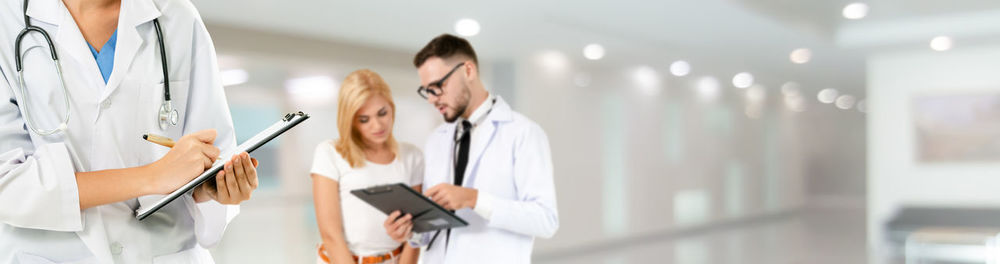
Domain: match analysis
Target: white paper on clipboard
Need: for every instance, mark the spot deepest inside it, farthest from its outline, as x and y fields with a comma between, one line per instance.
x=275, y=130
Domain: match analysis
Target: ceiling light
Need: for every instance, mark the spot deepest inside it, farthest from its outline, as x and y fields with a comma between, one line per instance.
x=941, y=43
x=467, y=27
x=743, y=80
x=680, y=68
x=845, y=101
x=593, y=52
x=800, y=56
x=828, y=95
x=856, y=11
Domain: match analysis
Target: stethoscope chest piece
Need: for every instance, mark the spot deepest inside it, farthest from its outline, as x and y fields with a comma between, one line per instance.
x=168, y=115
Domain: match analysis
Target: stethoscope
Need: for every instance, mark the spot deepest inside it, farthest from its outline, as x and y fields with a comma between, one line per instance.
x=167, y=115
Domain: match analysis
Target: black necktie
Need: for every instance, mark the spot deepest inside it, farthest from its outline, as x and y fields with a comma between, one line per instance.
x=463, y=153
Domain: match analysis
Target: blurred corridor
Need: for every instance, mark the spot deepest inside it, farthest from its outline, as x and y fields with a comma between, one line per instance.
x=719, y=131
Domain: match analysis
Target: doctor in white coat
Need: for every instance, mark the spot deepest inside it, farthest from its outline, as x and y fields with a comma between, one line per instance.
x=490, y=164
x=69, y=196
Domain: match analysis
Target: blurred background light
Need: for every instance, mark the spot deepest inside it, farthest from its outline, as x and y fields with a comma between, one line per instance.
x=680, y=68
x=743, y=80
x=855, y=11
x=593, y=52
x=467, y=27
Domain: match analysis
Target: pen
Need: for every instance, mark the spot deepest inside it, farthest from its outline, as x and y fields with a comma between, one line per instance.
x=162, y=141
x=159, y=140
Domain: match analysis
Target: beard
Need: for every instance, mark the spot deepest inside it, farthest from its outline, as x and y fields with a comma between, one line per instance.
x=460, y=107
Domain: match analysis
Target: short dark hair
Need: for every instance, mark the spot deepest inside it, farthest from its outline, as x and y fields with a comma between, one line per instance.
x=445, y=46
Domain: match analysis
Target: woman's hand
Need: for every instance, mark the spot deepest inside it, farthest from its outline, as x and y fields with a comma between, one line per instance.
x=398, y=226
x=189, y=157
x=234, y=184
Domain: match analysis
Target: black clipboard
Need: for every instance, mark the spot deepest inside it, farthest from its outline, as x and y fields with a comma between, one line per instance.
x=272, y=132
x=427, y=215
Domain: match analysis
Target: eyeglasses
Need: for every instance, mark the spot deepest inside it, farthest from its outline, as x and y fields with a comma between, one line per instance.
x=434, y=88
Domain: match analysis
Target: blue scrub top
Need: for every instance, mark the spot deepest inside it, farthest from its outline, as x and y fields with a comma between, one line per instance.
x=106, y=58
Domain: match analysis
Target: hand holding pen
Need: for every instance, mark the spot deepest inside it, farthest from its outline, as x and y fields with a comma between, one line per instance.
x=232, y=185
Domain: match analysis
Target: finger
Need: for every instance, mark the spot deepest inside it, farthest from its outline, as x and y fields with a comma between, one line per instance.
x=211, y=152
x=250, y=167
x=206, y=136
x=409, y=228
x=239, y=166
x=231, y=184
x=206, y=161
x=403, y=220
x=391, y=219
x=439, y=196
x=222, y=193
x=400, y=231
x=397, y=223
x=432, y=190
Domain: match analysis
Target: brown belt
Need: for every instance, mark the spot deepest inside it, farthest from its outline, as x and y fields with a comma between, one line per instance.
x=366, y=259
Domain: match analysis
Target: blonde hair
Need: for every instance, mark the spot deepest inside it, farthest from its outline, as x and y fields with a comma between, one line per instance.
x=356, y=89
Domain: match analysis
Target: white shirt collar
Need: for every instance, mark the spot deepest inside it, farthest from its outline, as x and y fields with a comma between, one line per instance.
x=480, y=114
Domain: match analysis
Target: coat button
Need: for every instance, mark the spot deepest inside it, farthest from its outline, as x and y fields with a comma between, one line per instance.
x=116, y=248
x=106, y=104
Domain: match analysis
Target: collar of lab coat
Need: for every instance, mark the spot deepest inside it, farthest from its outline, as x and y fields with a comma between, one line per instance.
x=48, y=11
x=501, y=113
x=133, y=13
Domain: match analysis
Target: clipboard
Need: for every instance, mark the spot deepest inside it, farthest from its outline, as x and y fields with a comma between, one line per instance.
x=272, y=132
x=427, y=215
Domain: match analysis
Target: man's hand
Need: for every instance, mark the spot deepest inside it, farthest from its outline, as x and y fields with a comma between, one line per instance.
x=398, y=227
x=233, y=184
x=452, y=197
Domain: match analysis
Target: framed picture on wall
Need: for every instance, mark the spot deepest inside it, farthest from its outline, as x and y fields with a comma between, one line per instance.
x=958, y=127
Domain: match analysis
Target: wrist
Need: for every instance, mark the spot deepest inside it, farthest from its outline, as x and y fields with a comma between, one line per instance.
x=149, y=183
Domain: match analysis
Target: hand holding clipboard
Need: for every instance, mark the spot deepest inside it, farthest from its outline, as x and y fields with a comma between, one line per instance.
x=427, y=215
x=290, y=120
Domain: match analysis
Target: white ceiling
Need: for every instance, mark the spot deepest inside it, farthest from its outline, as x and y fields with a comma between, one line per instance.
x=724, y=36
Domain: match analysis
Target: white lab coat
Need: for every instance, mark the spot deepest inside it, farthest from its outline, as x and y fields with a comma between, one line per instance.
x=510, y=164
x=40, y=216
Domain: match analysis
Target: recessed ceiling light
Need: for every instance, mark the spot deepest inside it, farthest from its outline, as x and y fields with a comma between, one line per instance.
x=467, y=27
x=743, y=80
x=855, y=11
x=593, y=52
x=680, y=68
x=941, y=43
x=845, y=101
x=800, y=56
x=828, y=95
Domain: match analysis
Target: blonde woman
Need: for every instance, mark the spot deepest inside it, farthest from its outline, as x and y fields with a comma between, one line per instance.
x=365, y=155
